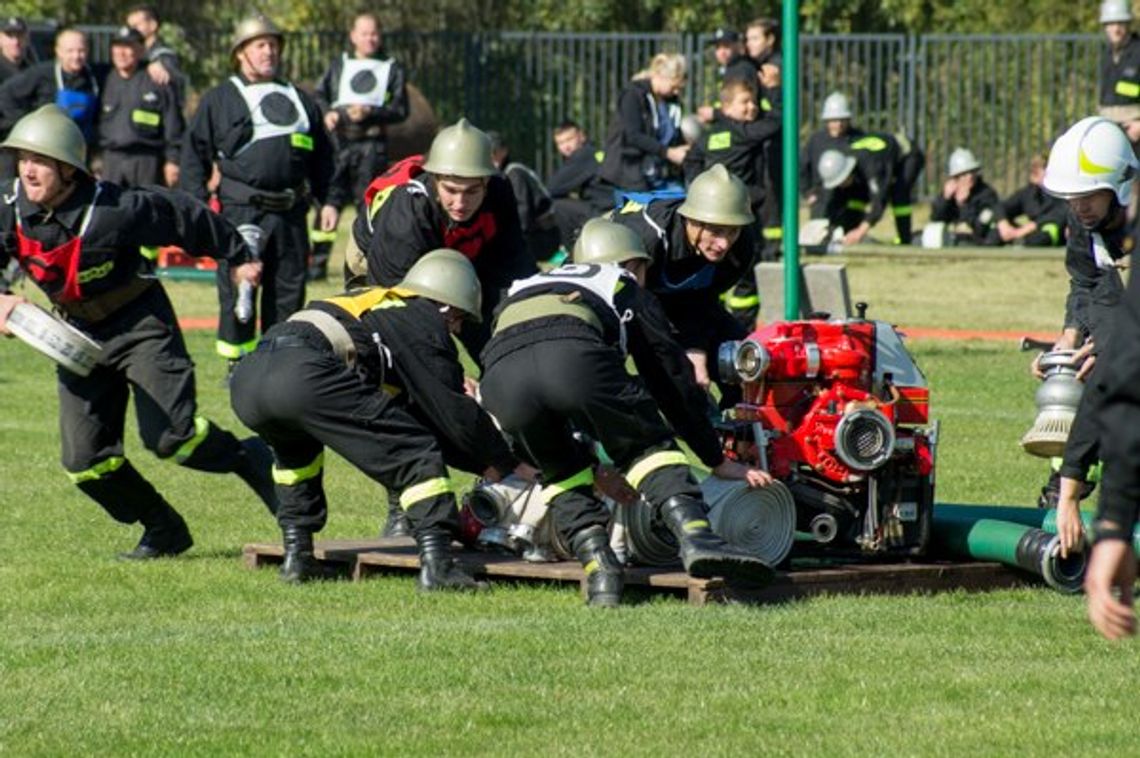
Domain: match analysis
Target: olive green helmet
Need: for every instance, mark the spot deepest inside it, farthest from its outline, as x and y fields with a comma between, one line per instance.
x=252, y=28
x=50, y=132
x=718, y=197
x=446, y=276
x=461, y=150
x=602, y=241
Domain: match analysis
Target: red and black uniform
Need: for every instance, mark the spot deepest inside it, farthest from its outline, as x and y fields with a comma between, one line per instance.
x=556, y=365
x=406, y=222
x=85, y=256
x=271, y=147
x=398, y=412
x=688, y=285
x=140, y=129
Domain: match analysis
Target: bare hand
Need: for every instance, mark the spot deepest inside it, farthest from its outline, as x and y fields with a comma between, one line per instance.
x=356, y=113
x=1111, y=572
x=1006, y=230
x=1085, y=354
x=738, y=471
x=329, y=218
x=700, y=359
x=471, y=388
x=705, y=114
x=1069, y=526
x=158, y=73
x=7, y=303
x=170, y=174
x=769, y=76
x=247, y=272
x=962, y=191
x=526, y=472
x=950, y=188
x=332, y=118
x=1067, y=341
x=676, y=155
x=857, y=234
x=1132, y=129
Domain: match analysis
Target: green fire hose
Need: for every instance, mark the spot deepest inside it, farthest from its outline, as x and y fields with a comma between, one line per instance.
x=1023, y=547
x=1042, y=518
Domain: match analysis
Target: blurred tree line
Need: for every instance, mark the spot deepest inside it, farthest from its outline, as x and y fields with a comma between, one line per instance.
x=843, y=16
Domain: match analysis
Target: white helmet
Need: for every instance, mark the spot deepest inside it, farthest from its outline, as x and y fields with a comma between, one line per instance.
x=961, y=161
x=834, y=168
x=835, y=107
x=1094, y=154
x=1115, y=12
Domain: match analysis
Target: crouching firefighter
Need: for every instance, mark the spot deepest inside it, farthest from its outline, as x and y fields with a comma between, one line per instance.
x=79, y=240
x=360, y=373
x=556, y=364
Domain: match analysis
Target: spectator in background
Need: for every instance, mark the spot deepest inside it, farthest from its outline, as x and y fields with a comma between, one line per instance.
x=577, y=193
x=69, y=81
x=762, y=44
x=13, y=47
x=644, y=145
x=140, y=124
x=1120, y=68
x=968, y=206
x=161, y=61
x=731, y=63
x=361, y=94
x=1045, y=214
x=535, y=206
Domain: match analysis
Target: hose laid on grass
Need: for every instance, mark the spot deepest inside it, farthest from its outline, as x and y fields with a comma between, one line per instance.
x=1042, y=518
x=1016, y=545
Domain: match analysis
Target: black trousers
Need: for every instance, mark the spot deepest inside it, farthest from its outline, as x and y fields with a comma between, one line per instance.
x=282, y=291
x=902, y=193
x=132, y=169
x=144, y=355
x=300, y=398
x=357, y=164
x=543, y=393
x=571, y=214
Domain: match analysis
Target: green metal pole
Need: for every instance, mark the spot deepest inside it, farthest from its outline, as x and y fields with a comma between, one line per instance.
x=791, y=83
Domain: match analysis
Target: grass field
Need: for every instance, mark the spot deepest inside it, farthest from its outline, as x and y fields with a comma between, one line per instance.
x=201, y=656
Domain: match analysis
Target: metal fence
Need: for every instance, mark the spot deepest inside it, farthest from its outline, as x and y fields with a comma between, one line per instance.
x=1005, y=97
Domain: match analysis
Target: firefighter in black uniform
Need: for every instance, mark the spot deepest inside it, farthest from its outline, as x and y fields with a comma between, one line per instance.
x=1046, y=215
x=460, y=202
x=14, y=56
x=140, y=124
x=732, y=64
x=699, y=247
x=69, y=81
x=374, y=375
x=535, y=205
x=272, y=150
x=160, y=59
x=79, y=240
x=556, y=365
x=837, y=134
x=968, y=205
x=1092, y=166
x=1120, y=68
x=578, y=194
x=855, y=194
x=361, y=95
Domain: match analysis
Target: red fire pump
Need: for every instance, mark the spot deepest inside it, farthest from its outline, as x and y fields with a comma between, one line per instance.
x=837, y=410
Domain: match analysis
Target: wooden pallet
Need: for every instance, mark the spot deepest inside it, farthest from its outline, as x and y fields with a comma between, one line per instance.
x=362, y=558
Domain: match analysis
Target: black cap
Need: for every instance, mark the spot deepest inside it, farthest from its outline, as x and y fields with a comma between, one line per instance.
x=727, y=36
x=14, y=25
x=125, y=35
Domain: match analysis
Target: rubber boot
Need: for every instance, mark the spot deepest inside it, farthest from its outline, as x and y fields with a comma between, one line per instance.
x=438, y=569
x=165, y=535
x=605, y=576
x=397, y=524
x=256, y=470
x=1051, y=492
x=703, y=553
x=300, y=564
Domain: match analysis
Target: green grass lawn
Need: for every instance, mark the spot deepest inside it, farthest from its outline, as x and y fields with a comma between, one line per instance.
x=202, y=656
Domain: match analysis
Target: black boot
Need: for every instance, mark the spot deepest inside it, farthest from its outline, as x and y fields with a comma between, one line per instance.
x=1051, y=492
x=397, y=524
x=605, y=577
x=165, y=535
x=300, y=564
x=256, y=470
x=703, y=553
x=438, y=569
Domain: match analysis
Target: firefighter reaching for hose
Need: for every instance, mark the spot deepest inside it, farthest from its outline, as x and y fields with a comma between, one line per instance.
x=556, y=365
x=79, y=240
x=374, y=375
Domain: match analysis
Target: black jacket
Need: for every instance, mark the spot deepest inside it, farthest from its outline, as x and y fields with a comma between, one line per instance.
x=36, y=86
x=634, y=158
x=394, y=110
x=123, y=221
x=1094, y=290
x=1038, y=206
x=650, y=340
x=739, y=145
x=1120, y=74
x=409, y=351
x=137, y=115
x=980, y=212
x=577, y=177
x=818, y=143
x=222, y=126
x=687, y=285
x=532, y=199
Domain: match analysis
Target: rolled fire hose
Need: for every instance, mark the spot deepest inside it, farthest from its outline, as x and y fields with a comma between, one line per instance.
x=1042, y=518
x=759, y=521
x=1016, y=545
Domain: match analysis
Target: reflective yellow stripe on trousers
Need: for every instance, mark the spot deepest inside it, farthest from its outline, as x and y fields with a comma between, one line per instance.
x=292, y=476
x=98, y=470
x=651, y=463
x=440, y=485
x=201, y=429
x=582, y=478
